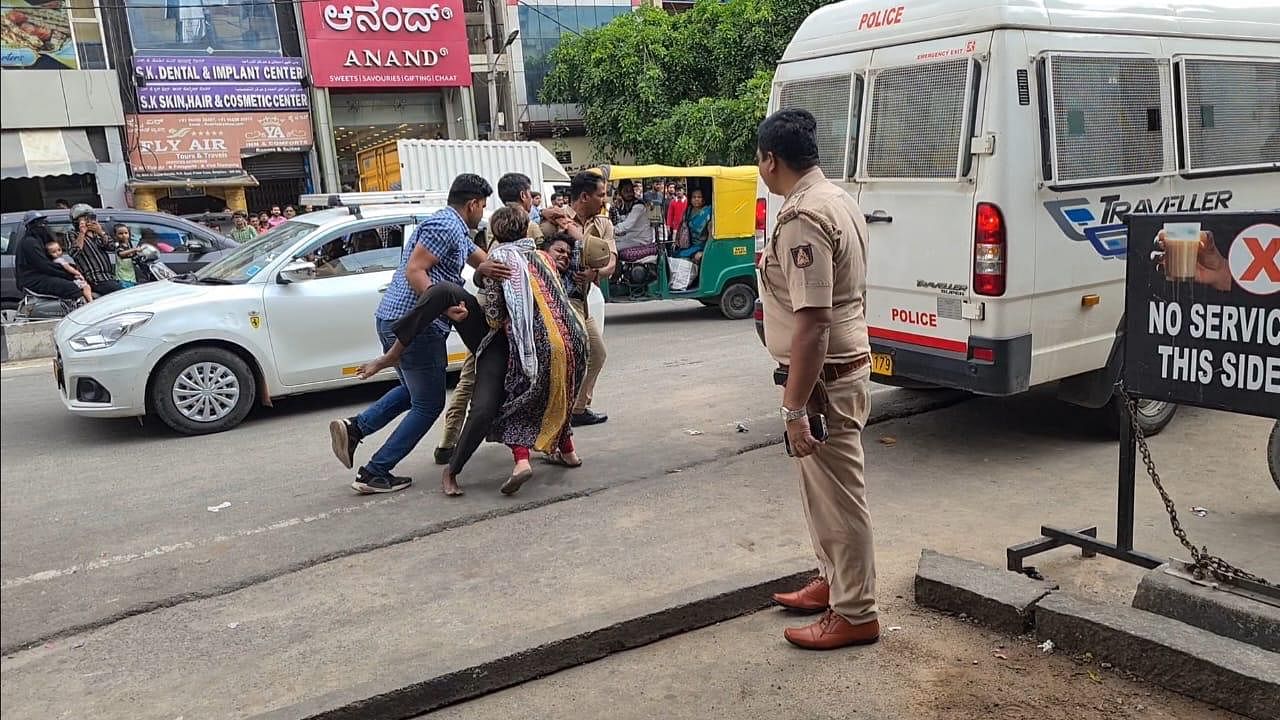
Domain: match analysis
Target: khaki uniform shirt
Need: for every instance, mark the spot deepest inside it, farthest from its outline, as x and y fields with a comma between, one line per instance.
x=816, y=258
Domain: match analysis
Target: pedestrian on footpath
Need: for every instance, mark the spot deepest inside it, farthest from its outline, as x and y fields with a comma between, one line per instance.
x=813, y=283
x=515, y=190
x=435, y=253
x=595, y=256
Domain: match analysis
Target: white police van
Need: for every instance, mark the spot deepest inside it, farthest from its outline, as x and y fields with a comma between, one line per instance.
x=996, y=147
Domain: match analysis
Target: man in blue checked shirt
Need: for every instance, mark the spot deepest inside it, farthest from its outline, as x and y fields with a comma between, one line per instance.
x=434, y=254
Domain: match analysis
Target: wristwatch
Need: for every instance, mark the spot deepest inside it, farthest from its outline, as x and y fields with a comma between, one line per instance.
x=792, y=415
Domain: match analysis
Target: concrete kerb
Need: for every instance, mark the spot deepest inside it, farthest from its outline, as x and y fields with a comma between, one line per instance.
x=996, y=598
x=1218, y=611
x=1210, y=667
x=1186, y=659
x=405, y=694
x=27, y=341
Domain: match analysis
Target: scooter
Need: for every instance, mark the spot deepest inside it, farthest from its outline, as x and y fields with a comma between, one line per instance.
x=35, y=306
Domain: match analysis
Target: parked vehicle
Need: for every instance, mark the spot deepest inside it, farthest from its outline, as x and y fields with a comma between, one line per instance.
x=286, y=314
x=194, y=246
x=997, y=147
x=726, y=276
x=431, y=165
x=217, y=221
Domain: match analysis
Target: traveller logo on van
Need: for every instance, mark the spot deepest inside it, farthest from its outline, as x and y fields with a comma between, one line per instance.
x=1106, y=232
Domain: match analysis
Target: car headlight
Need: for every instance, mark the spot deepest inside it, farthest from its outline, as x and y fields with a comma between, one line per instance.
x=109, y=331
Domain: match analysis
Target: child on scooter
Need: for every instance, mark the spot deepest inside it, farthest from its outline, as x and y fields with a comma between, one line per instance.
x=56, y=254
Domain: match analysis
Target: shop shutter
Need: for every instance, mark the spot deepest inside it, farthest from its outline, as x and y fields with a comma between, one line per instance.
x=276, y=166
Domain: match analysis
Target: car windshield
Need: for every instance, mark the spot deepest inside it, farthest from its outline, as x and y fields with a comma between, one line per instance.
x=250, y=258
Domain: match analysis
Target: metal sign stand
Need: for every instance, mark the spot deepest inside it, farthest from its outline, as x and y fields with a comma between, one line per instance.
x=1087, y=538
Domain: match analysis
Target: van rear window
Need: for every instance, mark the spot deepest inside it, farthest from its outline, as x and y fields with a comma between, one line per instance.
x=1107, y=117
x=828, y=99
x=918, y=118
x=1231, y=112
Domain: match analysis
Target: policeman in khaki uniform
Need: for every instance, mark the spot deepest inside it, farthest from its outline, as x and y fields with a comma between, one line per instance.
x=813, y=283
x=595, y=257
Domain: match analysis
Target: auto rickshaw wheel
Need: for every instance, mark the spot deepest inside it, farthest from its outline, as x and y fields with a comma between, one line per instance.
x=738, y=301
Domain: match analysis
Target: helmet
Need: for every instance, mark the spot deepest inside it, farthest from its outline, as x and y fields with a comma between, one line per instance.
x=32, y=216
x=80, y=209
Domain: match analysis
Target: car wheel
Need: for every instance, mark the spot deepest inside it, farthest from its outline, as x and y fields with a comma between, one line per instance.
x=738, y=301
x=203, y=390
x=1153, y=415
x=8, y=311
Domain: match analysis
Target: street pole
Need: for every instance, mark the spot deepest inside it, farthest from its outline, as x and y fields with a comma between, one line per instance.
x=321, y=121
x=493, y=71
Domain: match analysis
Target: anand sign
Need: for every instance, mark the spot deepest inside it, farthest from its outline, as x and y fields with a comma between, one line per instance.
x=1203, y=310
x=387, y=43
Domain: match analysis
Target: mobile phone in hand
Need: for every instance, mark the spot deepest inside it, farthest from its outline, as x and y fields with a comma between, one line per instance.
x=817, y=428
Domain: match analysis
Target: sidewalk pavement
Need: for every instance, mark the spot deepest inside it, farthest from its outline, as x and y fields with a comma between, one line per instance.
x=933, y=667
x=968, y=480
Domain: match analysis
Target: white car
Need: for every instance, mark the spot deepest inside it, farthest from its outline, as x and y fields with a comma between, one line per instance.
x=256, y=325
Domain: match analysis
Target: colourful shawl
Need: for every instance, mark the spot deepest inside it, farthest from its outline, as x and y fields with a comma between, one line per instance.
x=536, y=411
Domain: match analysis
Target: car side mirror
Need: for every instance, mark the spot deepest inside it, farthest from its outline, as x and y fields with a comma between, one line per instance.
x=197, y=246
x=297, y=270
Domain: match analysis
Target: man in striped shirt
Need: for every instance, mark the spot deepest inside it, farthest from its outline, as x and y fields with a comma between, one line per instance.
x=92, y=251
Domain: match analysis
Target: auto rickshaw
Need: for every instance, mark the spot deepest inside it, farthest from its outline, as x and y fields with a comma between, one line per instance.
x=726, y=274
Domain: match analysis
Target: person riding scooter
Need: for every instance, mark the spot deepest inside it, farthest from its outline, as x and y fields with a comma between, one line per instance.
x=36, y=271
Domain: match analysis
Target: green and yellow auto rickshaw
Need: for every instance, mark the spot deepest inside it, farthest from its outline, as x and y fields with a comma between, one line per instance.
x=711, y=260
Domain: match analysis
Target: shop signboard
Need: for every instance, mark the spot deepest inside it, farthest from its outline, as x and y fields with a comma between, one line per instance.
x=206, y=69
x=169, y=84
x=221, y=97
x=387, y=43
x=202, y=146
x=36, y=36
x=1203, y=310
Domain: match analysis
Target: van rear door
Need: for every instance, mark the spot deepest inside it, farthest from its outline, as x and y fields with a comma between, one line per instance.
x=832, y=89
x=916, y=176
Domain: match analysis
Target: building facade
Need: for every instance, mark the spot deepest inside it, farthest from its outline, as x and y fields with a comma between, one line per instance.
x=542, y=23
x=399, y=69
x=215, y=103
x=60, y=112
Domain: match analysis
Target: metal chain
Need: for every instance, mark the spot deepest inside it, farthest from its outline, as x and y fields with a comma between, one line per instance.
x=1203, y=563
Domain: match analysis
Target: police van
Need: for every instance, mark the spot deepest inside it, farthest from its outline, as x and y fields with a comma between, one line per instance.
x=996, y=148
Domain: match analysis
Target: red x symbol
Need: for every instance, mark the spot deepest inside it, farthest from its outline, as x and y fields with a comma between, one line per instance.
x=1265, y=260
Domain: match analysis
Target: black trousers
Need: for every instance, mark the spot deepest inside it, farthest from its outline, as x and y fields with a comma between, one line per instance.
x=491, y=366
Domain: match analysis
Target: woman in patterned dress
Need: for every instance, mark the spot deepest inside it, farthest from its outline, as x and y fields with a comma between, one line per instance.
x=529, y=365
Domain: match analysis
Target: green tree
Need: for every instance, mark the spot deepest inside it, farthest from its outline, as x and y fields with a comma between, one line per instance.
x=681, y=89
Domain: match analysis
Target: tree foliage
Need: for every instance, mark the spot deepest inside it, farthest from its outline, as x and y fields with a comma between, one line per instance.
x=683, y=89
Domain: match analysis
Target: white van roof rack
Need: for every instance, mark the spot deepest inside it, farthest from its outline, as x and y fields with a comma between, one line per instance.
x=354, y=200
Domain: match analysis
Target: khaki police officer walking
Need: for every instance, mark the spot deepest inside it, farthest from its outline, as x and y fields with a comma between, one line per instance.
x=813, y=283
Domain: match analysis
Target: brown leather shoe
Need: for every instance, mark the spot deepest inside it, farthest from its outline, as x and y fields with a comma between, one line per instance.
x=812, y=598
x=832, y=631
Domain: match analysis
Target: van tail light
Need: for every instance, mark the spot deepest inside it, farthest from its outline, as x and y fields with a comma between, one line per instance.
x=989, y=245
x=761, y=209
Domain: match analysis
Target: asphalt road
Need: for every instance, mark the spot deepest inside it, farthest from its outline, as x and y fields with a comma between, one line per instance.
x=105, y=519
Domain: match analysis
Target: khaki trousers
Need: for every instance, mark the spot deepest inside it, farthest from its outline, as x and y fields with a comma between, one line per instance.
x=456, y=414
x=595, y=358
x=834, y=494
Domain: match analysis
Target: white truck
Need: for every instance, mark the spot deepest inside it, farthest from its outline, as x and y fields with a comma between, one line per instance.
x=432, y=165
x=996, y=148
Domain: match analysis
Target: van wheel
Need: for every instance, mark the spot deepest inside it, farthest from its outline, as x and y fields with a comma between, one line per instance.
x=203, y=390
x=1153, y=415
x=738, y=301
